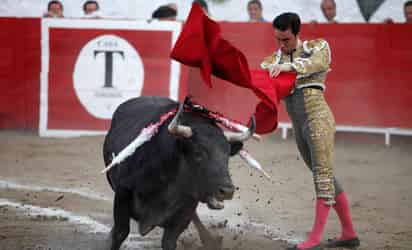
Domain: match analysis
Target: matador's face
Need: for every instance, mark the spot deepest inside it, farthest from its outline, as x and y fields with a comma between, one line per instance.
x=286, y=40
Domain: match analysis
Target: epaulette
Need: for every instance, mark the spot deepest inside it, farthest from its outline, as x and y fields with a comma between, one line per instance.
x=314, y=45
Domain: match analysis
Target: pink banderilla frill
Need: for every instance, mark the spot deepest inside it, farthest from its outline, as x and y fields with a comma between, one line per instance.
x=145, y=135
x=252, y=162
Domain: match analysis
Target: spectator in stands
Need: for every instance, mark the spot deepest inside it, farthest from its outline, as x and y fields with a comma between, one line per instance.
x=91, y=9
x=54, y=9
x=254, y=9
x=313, y=124
x=328, y=8
x=407, y=10
x=165, y=13
x=203, y=4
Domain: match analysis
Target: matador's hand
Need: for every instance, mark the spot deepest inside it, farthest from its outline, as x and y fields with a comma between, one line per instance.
x=275, y=69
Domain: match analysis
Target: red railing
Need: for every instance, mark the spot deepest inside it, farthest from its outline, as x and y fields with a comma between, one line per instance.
x=369, y=84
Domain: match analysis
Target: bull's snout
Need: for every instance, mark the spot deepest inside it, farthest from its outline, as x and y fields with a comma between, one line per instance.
x=226, y=192
x=216, y=200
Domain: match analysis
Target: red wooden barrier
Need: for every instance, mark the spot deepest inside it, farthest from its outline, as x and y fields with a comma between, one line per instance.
x=368, y=84
x=19, y=73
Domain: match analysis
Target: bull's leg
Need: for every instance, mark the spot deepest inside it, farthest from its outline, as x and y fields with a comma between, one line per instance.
x=172, y=233
x=121, y=227
x=176, y=226
x=209, y=240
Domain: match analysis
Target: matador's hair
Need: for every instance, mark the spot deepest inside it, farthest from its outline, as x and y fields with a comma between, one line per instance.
x=287, y=20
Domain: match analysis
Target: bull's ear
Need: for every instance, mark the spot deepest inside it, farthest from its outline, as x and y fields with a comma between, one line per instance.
x=235, y=147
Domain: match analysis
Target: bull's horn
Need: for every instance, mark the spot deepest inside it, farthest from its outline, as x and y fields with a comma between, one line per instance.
x=179, y=130
x=242, y=136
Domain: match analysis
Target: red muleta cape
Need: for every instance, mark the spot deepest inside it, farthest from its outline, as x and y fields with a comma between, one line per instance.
x=200, y=45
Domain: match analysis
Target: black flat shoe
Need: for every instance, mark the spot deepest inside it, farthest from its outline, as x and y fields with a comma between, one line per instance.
x=295, y=247
x=351, y=243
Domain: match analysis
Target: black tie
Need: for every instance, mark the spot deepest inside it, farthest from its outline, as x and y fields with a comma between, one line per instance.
x=291, y=55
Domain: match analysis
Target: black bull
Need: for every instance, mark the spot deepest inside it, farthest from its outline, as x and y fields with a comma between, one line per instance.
x=163, y=181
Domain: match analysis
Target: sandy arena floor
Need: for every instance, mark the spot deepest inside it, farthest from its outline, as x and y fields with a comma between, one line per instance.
x=52, y=196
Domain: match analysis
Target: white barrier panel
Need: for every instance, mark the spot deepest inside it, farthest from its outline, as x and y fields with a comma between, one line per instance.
x=89, y=67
